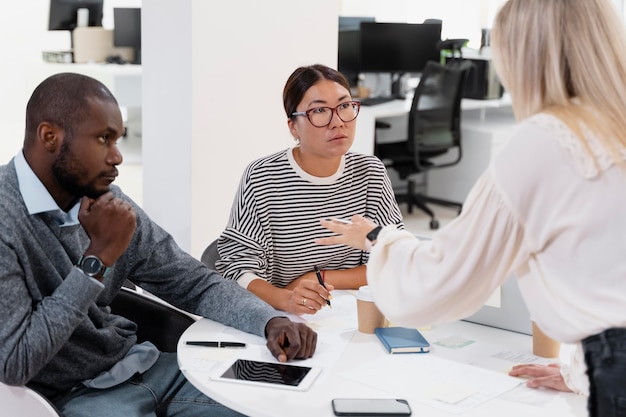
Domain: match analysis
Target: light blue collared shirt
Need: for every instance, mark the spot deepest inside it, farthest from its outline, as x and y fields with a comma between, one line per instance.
x=36, y=196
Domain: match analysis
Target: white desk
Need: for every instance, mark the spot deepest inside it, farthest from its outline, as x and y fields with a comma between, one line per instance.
x=485, y=126
x=354, y=353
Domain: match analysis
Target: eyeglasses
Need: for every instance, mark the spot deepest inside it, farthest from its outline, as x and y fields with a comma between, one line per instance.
x=322, y=116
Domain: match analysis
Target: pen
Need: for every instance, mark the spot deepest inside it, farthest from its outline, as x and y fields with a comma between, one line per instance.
x=338, y=220
x=321, y=281
x=217, y=344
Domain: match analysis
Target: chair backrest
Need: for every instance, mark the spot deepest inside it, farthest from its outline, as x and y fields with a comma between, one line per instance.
x=434, y=126
x=210, y=255
x=156, y=321
x=24, y=402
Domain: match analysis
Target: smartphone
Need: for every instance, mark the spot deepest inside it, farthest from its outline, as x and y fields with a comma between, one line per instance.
x=371, y=407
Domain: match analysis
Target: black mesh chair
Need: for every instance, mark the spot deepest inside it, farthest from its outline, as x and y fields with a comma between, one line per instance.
x=434, y=131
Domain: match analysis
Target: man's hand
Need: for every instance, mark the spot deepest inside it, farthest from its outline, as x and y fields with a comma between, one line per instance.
x=547, y=376
x=288, y=340
x=110, y=223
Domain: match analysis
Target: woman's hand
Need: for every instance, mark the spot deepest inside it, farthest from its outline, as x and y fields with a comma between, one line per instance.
x=351, y=234
x=294, y=284
x=308, y=296
x=547, y=376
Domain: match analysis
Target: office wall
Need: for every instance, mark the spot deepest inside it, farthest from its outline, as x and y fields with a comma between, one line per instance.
x=213, y=74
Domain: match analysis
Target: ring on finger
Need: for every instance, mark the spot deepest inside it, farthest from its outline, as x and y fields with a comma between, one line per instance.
x=304, y=301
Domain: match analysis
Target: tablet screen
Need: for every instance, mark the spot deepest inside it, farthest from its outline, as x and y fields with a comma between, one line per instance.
x=266, y=372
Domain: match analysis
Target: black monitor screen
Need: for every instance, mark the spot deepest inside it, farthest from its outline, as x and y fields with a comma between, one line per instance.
x=63, y=13
x=353, y=22
x=398, y=47
x=127, y=29
x=348, y=60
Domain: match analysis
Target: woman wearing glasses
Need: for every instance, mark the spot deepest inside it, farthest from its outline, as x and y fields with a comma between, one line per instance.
x=268, y=244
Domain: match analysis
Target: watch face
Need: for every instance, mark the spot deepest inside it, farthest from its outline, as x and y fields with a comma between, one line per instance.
x=371, y=236
x=91, y=265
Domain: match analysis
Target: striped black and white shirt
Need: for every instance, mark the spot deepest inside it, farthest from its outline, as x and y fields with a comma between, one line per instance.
x=276, y=212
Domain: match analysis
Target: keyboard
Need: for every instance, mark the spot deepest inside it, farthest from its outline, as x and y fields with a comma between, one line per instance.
x=372, y=101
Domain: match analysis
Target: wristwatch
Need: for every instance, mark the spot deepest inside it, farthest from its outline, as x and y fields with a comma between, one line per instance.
x=371, y=237
x=93, y=266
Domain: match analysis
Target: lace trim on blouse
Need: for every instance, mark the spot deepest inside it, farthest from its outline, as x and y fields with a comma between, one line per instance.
x=586, y=164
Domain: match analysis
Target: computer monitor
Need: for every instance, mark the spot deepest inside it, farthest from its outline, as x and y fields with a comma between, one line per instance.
x=64, y=13
x=398, y=47
x=348, y=59
x=127, y=30
x=353, y=22
x=348, y=52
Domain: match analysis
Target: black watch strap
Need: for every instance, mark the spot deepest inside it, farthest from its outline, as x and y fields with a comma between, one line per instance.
x=373, y=235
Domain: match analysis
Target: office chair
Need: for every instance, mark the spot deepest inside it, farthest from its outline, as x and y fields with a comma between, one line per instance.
x=210, y=255
x=434, y=130
x=25, y=402
x=156, y=321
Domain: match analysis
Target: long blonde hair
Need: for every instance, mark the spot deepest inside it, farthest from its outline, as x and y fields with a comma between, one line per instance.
x=567, y=58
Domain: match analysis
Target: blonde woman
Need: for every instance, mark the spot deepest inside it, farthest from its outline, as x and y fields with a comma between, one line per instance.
x=551, y=207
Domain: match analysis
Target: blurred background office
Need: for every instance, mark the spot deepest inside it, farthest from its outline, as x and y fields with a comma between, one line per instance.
x=205, y=66
x=24, y=35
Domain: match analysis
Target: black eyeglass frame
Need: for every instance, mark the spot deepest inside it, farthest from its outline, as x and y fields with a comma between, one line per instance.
x=335, y=110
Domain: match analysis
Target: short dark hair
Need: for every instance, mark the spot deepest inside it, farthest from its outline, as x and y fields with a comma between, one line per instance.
x=303, y=78
x=62, y=99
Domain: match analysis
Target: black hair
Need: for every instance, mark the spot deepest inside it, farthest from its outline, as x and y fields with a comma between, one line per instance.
x=62, y=99
x=303, y=78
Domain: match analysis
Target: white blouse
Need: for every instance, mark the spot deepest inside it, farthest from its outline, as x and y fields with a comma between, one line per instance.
x=543, y=210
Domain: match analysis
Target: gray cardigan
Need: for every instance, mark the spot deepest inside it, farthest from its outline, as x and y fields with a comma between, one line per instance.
x=57, y=329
